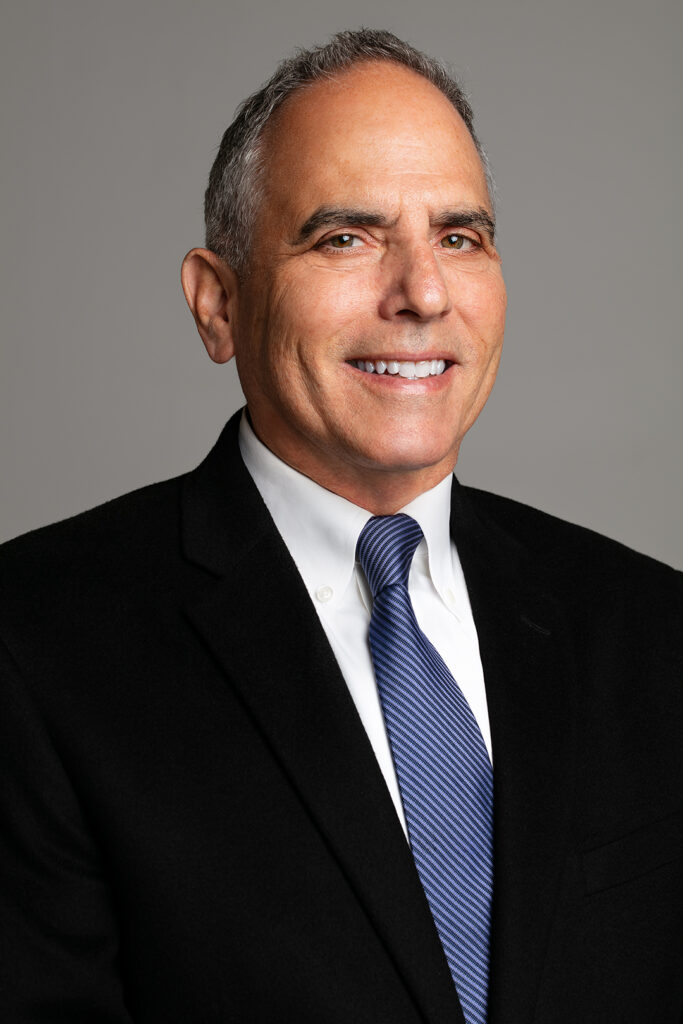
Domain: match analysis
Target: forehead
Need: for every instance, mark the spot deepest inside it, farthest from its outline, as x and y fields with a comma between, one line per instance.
x=378, y=131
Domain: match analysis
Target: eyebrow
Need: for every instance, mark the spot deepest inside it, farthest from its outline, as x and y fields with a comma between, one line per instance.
x=329, y=216
x=479, y=219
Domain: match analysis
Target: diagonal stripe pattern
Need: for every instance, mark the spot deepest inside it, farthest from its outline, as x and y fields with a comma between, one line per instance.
x=441, y=761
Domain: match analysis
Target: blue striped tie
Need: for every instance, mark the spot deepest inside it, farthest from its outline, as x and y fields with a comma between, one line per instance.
x=441, y=761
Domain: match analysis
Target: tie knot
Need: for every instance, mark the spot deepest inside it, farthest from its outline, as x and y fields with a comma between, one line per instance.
x=385, y=550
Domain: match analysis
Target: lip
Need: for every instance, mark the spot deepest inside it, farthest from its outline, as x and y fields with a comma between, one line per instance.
x=395, y=382
x=408, y=357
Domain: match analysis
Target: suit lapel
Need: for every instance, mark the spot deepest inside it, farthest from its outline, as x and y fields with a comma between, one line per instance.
x=257, y=618
x=527, y=662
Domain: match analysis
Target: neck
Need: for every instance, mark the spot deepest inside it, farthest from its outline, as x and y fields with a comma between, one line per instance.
x=380, y=489
x=381, y=492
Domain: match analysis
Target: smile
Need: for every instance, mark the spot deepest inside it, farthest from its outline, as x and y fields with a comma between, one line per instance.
x=404, y=368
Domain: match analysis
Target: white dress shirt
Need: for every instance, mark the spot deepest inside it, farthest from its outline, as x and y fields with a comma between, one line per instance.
x=321, y=529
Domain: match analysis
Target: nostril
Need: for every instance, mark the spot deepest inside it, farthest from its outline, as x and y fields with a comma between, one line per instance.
x=420, y=314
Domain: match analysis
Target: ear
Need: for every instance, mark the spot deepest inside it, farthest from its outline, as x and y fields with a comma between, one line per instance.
x=210, y=287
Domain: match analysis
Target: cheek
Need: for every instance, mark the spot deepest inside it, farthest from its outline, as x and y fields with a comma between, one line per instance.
x=319, y=306
x=483, y=310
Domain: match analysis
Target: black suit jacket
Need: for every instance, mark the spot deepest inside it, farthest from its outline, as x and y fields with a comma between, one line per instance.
x=194, y=824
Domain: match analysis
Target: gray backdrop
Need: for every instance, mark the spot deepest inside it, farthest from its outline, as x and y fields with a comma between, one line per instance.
x=112, y=112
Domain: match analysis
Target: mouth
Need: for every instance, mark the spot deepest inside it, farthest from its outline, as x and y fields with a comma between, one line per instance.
x=406, y=368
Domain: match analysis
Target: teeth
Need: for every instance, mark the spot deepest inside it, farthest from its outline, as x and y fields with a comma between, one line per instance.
x=407, y=369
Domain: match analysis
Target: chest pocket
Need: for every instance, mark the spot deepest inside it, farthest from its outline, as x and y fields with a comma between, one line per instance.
x=634, y=854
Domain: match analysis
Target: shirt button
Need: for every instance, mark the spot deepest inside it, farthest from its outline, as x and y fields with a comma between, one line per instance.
x=450, y=597
x=324, y=594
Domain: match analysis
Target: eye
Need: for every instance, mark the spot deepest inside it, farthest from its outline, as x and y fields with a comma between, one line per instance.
x=342, y=241
x=463, y=243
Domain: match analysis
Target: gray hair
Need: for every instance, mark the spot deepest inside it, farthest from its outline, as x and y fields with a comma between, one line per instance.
x=235, y=182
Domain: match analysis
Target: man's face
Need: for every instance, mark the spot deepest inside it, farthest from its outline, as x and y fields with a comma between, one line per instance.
x=372, y=245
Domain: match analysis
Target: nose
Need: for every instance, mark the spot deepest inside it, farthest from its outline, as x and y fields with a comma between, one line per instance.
x=414, y=285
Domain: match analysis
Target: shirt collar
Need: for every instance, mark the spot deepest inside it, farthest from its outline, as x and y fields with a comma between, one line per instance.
x=321, y=528
x=432, y=510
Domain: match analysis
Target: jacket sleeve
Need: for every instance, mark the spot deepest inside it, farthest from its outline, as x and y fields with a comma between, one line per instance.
x=58, y=930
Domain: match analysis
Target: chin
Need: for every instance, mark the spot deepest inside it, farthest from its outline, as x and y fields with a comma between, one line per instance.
x=413, y=454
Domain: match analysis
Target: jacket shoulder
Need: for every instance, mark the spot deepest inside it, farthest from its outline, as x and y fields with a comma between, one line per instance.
x=565, y=551
x=101, y=561
x=134, y=519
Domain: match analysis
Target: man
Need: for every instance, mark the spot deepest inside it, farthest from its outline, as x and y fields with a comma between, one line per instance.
x=210, y=811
